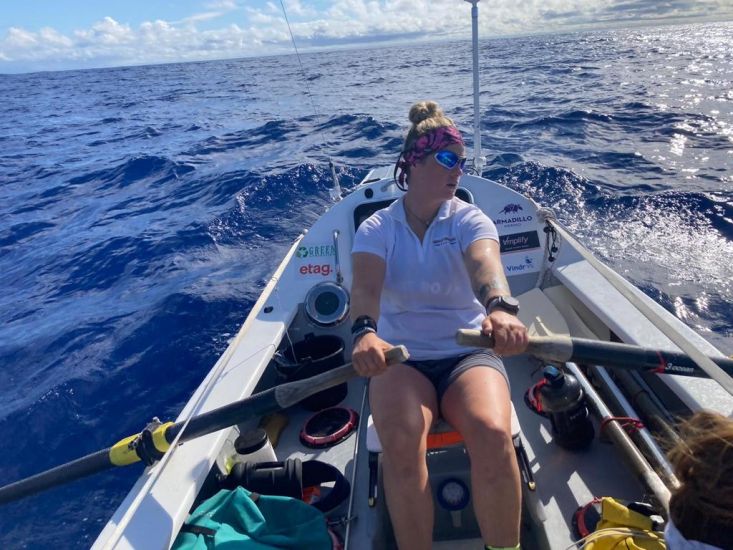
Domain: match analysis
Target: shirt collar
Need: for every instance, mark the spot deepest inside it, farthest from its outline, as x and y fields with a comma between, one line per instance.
x=397, y=210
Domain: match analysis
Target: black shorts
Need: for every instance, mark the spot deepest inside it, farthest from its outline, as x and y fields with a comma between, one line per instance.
x=442, y=372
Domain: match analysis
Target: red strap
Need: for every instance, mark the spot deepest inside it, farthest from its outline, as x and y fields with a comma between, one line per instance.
x=532, y=397
x=583, y=530
x=628, y=423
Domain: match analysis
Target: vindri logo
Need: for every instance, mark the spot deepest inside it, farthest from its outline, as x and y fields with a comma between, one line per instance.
x=526, y=265
x=317, y=251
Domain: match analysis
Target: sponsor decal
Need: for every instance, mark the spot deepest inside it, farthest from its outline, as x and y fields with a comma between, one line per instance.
x=316, y=251
x=672, y=368
x=512, y=215
x=514, y=220
x=519, y=241
x=316, y=269
x=444, y=241
x=526, y=265
x=511, y=209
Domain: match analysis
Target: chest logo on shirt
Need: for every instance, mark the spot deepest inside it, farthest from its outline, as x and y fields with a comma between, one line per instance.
x=444, y=241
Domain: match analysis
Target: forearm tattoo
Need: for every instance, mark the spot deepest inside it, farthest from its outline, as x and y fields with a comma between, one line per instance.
x=496, y=285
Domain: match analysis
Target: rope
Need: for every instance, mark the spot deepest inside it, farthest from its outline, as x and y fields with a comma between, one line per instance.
x=335, y=192
x=613, y=532
x=628, y=423
x=552, y=243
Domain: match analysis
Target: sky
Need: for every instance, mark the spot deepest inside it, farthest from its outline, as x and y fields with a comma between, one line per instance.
x=40, y=35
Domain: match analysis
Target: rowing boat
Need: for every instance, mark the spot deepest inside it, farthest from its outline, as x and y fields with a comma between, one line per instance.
x=563, y=291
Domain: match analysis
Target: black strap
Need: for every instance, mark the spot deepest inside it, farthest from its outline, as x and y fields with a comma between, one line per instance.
x=198, y=530
x=315, y=473
x=145, y=446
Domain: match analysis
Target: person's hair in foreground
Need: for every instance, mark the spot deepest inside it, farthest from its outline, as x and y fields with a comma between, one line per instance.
x=702, y=508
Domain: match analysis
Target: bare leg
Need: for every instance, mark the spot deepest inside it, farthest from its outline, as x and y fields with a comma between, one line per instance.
x=404, y=405
x=477, y=404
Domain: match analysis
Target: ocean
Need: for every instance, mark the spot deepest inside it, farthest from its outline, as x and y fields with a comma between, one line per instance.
x=142, y=209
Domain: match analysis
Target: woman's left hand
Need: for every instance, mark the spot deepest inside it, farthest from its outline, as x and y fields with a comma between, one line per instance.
x=509, y=333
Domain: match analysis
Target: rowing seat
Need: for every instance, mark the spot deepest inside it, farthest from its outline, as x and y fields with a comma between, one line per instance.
x=448, y=464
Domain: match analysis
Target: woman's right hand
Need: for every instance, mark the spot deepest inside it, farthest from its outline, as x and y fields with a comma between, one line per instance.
x=368, y=355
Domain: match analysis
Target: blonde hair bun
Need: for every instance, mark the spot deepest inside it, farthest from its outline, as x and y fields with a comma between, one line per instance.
x=425, y=116
x=424, y=110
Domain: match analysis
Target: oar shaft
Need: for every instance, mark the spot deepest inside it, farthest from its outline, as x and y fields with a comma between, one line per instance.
x=269, y=401
x=123, y=453
x=66, y=473
x=626, y=356
x=608, y=354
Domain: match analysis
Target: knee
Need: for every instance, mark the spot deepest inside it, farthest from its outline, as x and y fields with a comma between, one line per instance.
x=403, y=439
x=490, y=440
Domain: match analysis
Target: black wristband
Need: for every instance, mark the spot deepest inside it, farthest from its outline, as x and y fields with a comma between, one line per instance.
x=361, y=332
x=505, y=303
x=364, y=321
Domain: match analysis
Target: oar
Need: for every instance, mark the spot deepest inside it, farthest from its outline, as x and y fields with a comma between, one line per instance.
x=155, y=440
x=608, y=354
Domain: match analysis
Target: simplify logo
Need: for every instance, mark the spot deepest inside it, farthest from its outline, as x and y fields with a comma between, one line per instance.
x=519, y=241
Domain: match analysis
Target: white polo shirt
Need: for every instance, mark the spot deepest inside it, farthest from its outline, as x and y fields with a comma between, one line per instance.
x=427, y=292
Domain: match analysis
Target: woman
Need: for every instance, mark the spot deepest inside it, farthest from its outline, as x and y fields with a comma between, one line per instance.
x=701, y=509
x=424, y=267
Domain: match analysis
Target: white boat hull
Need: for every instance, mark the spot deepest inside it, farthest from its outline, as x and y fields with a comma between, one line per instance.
x=587, y=304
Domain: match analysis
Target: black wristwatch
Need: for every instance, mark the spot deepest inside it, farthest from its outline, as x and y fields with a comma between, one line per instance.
x=362, y=322
x=505, y=303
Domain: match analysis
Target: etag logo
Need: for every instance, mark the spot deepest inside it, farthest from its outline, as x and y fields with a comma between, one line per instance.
x=315, y=269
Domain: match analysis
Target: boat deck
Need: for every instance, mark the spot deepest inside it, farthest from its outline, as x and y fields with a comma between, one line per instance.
x=565, y=480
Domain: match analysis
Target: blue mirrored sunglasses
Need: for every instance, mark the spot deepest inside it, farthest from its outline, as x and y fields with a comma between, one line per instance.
x=448, y=159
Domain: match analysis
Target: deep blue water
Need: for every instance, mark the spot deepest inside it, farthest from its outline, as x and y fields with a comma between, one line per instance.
x=142, y=209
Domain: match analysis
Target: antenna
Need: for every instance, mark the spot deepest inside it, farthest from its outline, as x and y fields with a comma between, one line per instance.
x=478, y=160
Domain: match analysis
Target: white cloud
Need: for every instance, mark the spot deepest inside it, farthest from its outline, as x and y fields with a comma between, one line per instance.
x=254, y=31
x=20, y=38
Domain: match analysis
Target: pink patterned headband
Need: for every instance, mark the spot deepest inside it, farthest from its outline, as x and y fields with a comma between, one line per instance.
x=431, y=142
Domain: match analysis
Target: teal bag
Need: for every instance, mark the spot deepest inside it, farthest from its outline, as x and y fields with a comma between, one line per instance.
x=240, y=519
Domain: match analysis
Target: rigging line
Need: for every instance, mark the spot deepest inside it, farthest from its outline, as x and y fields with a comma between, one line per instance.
x=305, y=76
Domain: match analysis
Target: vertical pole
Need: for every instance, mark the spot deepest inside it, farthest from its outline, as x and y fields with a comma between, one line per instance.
x=478, y=160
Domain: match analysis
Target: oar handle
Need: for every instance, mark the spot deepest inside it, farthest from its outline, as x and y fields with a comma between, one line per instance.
x=293, y=392
x=555, y=348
